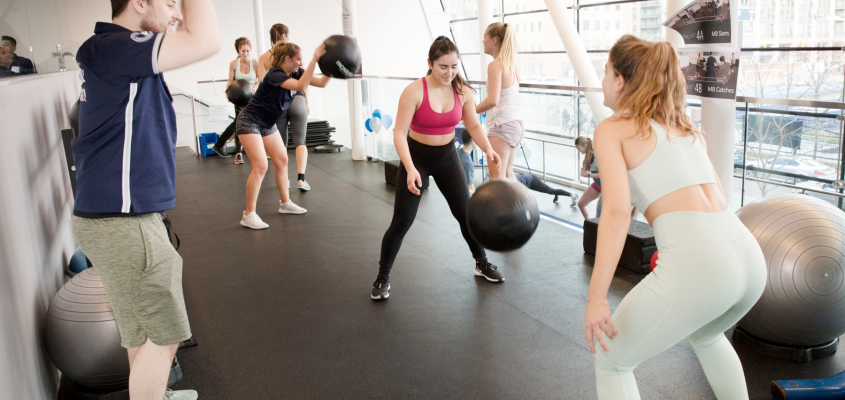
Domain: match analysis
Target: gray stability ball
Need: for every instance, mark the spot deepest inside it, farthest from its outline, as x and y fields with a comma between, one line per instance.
x=803, y=241
x=82, y=337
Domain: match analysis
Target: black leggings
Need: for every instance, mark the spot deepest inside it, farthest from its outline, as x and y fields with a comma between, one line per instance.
x=230, y=130
x=442, y=164
x=538, y=185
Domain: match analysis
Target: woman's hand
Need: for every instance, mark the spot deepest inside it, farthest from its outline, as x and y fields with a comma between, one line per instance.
x=320, y=51
x=493, y=157
x=598, y=322
x=414, y=181
x=585, y=173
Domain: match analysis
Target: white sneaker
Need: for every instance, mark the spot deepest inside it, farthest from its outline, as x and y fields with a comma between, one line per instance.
x=180, y=395
x=303, y=186
x=253, y=221
x=290, y=208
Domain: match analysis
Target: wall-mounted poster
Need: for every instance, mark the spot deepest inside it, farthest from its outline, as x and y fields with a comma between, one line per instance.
x=703, y=22
x=710, y=74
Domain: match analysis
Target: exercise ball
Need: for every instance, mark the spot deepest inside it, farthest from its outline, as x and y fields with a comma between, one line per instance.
x=342, y=58
x=239, y=92
x=502, y=215
x=803, y=241
x=73, y=116
x=81, y=335
x=654, y=260
x=78, y=263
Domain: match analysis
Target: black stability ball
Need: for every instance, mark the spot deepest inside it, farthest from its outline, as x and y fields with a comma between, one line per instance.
x=73, y=116
x=239, y=92
x=502, y=215
x=342, y=58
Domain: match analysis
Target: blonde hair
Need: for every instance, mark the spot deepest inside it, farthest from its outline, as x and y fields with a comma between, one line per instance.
x=281, y=50
x=588, y=154
x=655, y=88
x=507, y=44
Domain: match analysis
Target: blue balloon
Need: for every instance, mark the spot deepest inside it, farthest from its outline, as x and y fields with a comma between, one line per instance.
x=367, y=125
x=377, y=113
x=386, y=121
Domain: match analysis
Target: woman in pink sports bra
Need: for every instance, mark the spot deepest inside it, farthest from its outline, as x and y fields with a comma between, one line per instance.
x=431, y=107
x=504, y=121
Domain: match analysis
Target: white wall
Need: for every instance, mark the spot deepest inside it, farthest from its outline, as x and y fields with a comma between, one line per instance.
x=35, y=232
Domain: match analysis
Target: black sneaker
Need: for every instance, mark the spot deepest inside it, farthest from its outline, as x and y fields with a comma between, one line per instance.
x=488, y=271
x=220, y=152
x=381, y=287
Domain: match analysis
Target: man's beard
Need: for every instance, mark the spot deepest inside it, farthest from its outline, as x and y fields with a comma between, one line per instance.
x=152, y=24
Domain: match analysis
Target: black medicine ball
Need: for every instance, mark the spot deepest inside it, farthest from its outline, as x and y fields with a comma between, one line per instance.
x=239, y=92
x=502, y=215
x=342, y=59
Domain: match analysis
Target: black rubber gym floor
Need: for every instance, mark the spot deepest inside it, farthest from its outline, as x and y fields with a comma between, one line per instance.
x=286, y=313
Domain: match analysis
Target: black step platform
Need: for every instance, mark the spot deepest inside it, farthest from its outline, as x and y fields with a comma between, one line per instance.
x=639, y=246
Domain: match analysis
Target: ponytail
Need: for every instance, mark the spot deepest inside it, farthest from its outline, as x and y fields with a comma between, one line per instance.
x=507, y=44
x=588, y=154
x=277, y=33
x=281, y=50
x=441, y=47
x=655, y=88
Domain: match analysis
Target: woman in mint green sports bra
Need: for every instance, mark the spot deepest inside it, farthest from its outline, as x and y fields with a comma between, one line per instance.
x=243, y=67
x=711, y=270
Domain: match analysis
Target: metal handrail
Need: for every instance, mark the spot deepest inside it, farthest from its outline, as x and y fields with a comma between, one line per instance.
x=791, y=102
x=790, y=186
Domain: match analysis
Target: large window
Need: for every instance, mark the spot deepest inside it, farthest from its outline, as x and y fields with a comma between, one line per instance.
x=809, y=29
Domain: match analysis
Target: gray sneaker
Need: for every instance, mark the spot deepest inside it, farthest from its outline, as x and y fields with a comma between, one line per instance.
x=381, y=287
x=488, y=271
x=219, y=152
x=180, y=395
x=574, y=200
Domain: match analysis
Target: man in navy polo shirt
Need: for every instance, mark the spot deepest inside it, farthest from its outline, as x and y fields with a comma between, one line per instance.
x=126, y=173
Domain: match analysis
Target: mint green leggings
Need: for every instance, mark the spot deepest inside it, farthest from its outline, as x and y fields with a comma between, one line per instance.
x=710, y=272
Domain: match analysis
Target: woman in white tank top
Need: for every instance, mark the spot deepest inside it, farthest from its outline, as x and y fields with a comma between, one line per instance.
x=710, y=270
x=504, y=121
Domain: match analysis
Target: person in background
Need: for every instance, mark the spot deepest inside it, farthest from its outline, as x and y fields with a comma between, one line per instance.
x=466, y=159
x=242, y=67
x=504, y=121
x=530, y=181
x=5, y=63
x=20, y=65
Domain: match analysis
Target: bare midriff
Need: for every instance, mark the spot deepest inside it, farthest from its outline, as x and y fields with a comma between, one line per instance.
x=705, y=198
x=433, y=140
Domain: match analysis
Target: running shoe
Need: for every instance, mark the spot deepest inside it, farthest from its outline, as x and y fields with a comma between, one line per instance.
x=253, y=221
x=239, y=159
x=220, y=152
x=180, y=395
x=574, y=200
x=290, y=208
x=303, y=186
x=488, y=271
x=381, y=287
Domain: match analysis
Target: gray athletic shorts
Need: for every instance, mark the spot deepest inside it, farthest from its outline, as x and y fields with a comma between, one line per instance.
x=511, y=132
x=244, y=126
x=142, y=275
x=297, y=116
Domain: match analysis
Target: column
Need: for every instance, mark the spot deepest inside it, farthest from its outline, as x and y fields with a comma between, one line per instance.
x=356, y=108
